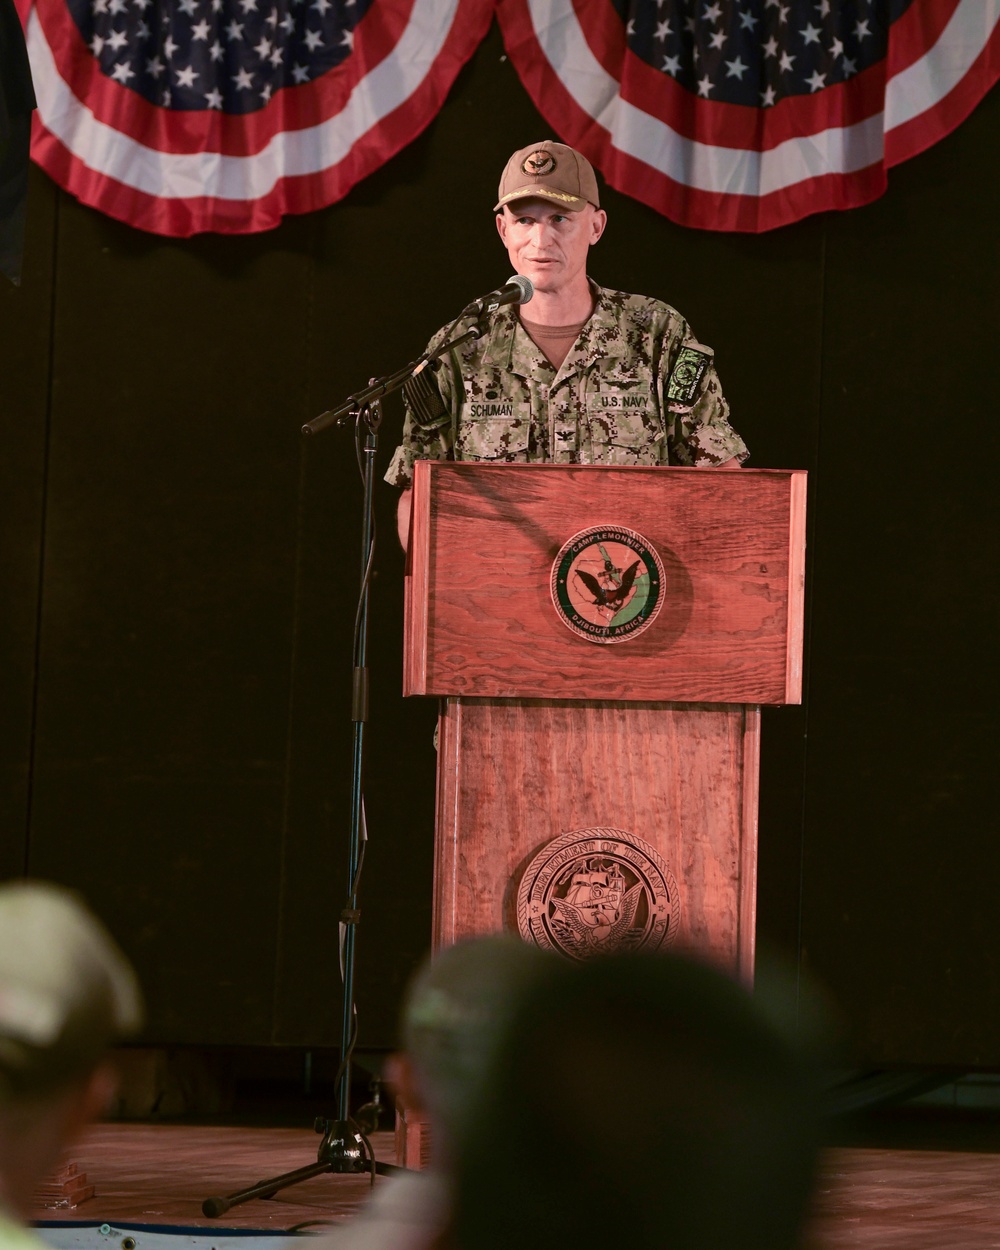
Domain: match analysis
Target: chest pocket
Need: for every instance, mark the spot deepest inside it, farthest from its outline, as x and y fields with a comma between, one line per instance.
x=494, y=429
x=623, y=423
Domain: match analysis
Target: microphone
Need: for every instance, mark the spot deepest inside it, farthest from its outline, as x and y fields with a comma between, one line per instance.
x=518, y=290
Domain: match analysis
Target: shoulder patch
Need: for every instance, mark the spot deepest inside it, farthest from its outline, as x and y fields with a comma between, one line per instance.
x=686, y=375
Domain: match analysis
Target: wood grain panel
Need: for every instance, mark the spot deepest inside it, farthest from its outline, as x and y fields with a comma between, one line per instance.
x=866, y=1199
x=514, y=775
x=486, y=537
x=796, y=588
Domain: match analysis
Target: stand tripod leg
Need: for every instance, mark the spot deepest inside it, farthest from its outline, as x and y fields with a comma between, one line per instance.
x=214, y=1207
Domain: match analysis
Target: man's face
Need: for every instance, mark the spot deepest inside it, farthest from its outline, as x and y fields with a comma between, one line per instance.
x=547, y=244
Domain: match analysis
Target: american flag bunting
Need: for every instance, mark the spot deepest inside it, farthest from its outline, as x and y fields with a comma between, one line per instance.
x=750, y=114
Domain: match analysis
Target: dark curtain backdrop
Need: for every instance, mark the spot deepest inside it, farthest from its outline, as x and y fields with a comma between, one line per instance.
x=179, y=572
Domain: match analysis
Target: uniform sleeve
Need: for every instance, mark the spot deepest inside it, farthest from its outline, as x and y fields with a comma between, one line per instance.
x=422, y=442
x=695, y=411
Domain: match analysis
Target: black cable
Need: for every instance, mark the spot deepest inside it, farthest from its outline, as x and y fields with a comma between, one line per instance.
x=367, y=576
x=345, y=1058
x=369, y=1148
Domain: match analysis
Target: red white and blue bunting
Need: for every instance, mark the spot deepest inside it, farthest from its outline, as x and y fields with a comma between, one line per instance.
x=183, y=116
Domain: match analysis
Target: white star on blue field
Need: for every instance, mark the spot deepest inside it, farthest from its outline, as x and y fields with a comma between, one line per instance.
x=757, y=52
x=228, y=55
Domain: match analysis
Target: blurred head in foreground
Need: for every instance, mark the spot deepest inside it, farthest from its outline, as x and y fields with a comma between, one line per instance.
x=66, y=993
x=453, y=1012
x=638, y=1100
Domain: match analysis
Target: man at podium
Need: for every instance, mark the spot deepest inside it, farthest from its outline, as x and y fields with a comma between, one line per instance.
x=588, y=375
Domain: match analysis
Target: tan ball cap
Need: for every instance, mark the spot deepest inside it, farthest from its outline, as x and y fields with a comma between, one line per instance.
x=66, y=990
x=550, y=170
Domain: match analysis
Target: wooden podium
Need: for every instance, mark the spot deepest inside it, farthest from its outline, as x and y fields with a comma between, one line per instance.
x=596, y=793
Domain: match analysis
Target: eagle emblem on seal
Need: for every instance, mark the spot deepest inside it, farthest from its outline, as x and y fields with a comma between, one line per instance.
x=597, y=910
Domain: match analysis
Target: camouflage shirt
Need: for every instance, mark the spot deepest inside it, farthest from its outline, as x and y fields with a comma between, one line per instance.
x=635, y=388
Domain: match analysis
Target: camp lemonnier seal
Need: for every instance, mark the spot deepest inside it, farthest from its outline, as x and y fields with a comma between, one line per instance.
x=597, y=890
x=607, y=584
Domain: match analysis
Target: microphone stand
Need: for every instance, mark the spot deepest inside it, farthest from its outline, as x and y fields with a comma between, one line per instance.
x=345, y=1149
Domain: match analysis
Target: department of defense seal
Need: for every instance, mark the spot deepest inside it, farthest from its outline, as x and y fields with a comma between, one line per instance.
x=597, y=890
x=607, y=584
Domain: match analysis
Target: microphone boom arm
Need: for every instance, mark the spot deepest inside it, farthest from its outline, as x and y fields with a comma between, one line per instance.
x=389, y=383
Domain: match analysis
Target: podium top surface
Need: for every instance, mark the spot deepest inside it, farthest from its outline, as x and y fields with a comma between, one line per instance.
x=683, y=585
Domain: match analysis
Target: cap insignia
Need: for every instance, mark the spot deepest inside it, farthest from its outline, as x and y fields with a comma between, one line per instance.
x=538, y=164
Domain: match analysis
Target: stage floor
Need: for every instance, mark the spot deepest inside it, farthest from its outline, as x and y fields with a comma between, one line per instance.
x=868, y=1199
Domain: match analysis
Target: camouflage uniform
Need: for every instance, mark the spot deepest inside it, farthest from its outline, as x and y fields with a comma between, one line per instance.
x=635, y=388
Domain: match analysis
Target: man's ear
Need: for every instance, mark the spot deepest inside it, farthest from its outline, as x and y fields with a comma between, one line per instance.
x=597, y=223
x=502, y=226
x=401, y=1077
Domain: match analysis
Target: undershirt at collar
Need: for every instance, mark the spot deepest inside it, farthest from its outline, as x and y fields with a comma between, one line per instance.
x=553, y=342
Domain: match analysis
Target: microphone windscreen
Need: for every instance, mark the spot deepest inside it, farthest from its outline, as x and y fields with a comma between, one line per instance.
x=423, y=397
x=527, y=289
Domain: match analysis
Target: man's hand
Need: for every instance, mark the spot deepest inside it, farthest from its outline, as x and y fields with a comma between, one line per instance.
x=403, y=517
